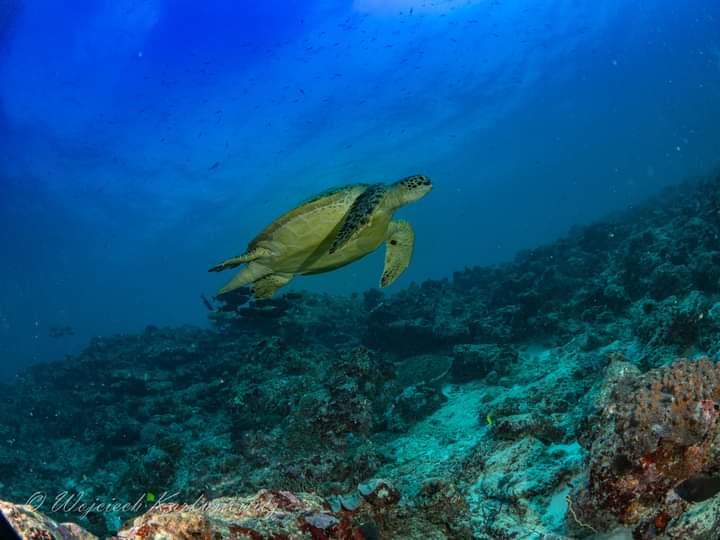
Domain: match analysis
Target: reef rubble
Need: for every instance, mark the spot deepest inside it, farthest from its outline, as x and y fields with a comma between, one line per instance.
x=571, y=393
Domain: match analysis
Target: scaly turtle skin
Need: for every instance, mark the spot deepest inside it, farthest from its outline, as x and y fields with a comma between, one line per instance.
x=329, y=231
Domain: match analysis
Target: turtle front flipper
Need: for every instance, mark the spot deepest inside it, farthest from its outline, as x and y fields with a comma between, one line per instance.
x=265, y=287
x=358, y=216
x=250, y=256
x=398, y=251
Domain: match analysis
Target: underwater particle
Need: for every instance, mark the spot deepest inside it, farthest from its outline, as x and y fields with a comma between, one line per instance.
x=331, y=230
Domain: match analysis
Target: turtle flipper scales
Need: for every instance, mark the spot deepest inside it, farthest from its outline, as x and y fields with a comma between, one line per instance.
x=398, y=251
x=265, y=287
x=358, y=217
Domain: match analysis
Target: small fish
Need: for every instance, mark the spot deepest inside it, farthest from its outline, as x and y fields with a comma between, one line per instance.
x=207, y=303
x=215, y=166
x=699, y=488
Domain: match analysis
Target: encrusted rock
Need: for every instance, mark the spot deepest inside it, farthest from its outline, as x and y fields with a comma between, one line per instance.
x=514, y=427
x=31, y=524
x=374, y=494
x=473, y=361
x=267, y=515
x=699, y=522
x=413, y=404
x=658, y=431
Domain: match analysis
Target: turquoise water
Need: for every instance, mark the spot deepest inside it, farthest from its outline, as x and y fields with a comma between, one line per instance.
x=144, y=141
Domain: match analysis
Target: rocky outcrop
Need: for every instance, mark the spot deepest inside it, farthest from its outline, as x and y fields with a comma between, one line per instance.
x=31, y=524
x=656, y=447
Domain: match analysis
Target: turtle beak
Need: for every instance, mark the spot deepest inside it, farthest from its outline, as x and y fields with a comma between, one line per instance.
x=424, y=184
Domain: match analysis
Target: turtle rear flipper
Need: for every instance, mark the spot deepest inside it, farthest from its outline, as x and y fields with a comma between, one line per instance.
x=398, y=251
x=250, y=256
x=250, y=274
x=265, y=287
x=358, y=216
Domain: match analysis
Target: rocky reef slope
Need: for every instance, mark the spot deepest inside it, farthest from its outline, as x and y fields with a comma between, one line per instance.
x=544, y=398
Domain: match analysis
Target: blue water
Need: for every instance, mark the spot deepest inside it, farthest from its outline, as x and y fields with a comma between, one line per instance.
x=143, y=141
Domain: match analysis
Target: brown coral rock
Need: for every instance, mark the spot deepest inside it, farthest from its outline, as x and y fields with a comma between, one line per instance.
x=656, y=431
x=269, y=515
x=677, y=404
x=30, y=524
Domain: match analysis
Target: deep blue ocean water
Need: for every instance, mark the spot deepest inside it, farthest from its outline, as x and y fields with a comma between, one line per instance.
x=143, y=141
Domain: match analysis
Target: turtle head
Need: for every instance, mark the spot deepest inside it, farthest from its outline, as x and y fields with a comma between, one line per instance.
x=410, y=189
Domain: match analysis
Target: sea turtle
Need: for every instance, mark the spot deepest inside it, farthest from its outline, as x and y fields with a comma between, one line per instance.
x=330, y=230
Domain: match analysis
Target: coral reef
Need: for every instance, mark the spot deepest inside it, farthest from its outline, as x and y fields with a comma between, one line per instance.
x=542, y=398
x=267, y=515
